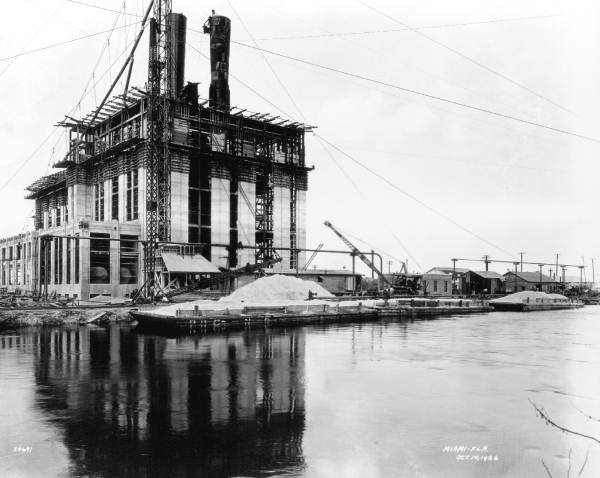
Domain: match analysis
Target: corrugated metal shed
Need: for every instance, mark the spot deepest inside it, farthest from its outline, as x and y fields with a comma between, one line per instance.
x=195, y=264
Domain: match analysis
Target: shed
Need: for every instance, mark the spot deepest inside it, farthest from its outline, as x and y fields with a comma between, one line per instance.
x=489, y=282
x=515, y=282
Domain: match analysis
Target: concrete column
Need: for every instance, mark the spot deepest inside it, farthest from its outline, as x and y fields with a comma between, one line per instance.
x=107, y=196
x=301, y=225
x=246, y=221
x=84, y=264
x=63, y=260
x=83, y=200
x=179, y=206
x=123, y=197
x=219, y=213
x=115, y=269
x=51, y=267
x=281, y=225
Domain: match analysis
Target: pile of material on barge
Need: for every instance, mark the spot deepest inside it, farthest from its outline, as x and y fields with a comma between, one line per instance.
x=283, y=300
x=529, y=301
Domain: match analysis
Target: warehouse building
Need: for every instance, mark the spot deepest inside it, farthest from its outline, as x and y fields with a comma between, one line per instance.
x=519, y=281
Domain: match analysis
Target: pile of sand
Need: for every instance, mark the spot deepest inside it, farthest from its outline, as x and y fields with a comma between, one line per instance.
x=276, y=288
x=532, y=295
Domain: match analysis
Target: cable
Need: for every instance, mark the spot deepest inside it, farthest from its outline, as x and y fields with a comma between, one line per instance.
x=365, y=199
x=243, y=83
x=421, y=27
x=28, y=52
x=377, y=248
x=39, y=147
x=24, y=163
x=468, y=58
x=52, y=15
x=412, y=258
x=387, y=181
x=283, y=87
x=421, y=93
x=414, y=198
x=103, y=8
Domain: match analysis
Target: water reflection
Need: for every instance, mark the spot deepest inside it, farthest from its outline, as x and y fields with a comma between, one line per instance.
x=134, y=405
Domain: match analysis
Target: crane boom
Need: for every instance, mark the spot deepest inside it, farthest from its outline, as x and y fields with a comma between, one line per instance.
x=312, y=257
x=356, y=252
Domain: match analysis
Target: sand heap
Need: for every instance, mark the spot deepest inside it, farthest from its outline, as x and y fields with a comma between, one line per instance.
x=528, y=294
x=276, y=288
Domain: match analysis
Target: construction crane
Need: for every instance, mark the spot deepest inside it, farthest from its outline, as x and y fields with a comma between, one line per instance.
x=356, y=252
x=313, y=255
x=158, y=184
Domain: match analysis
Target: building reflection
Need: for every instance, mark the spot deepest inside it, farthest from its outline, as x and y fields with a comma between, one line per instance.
x=135, y=405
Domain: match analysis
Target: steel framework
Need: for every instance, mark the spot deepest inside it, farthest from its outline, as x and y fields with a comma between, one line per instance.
x=158, y=184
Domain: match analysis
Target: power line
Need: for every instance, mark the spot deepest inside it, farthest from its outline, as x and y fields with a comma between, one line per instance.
x=379, y=176
x=24, y=163
x=468, y=58
x=243, y=83
x=421, y=27
x=28, y=52
x=421, y=93
x=283, y=87
x=103, y=8
x=45, y=140
x=52, y=15
x=414, y=198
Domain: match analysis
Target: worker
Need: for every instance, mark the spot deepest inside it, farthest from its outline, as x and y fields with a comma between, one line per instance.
x=311, y=294
x=386, y=296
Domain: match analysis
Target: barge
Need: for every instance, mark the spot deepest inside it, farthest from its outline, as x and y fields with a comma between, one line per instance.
x=532, y=301
x=201, y=321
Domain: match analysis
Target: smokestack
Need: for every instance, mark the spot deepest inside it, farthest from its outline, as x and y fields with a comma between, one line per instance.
x=219, y=28
x=178, y=33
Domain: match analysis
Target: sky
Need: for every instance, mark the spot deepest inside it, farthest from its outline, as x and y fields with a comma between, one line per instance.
x=408, y=175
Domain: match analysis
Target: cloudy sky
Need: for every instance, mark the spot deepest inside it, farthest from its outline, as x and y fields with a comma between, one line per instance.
x=456, y=182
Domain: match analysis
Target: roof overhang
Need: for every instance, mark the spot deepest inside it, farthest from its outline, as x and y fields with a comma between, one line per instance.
x=194, y=264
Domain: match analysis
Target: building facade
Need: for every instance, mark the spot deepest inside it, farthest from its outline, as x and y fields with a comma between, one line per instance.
x=237, y=190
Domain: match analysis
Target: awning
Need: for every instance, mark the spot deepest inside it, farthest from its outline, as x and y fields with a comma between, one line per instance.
x=191, y=264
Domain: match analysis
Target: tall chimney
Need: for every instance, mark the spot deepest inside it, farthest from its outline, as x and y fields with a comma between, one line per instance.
x=219, y=28
x=178, y=33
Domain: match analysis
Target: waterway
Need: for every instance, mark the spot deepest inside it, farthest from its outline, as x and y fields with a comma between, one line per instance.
x=448, y=397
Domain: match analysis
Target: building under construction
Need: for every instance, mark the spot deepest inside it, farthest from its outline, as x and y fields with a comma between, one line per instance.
x=160, y=186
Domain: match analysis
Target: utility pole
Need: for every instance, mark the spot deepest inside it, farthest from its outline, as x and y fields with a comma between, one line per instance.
x=541, y=282
x=521, y=254
x=454, y=274
x=516, y=265
x=390, y=266
x=556, y=265
x=487, y=260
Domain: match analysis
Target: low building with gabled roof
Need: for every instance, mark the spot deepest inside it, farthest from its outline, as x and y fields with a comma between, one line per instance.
x=515, y=282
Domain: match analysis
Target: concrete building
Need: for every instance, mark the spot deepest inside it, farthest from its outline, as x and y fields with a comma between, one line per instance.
x=459, y=284
x=237, y=179
x=436, y=284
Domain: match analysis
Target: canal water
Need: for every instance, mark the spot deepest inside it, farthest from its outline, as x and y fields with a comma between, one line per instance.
x=439, y=398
